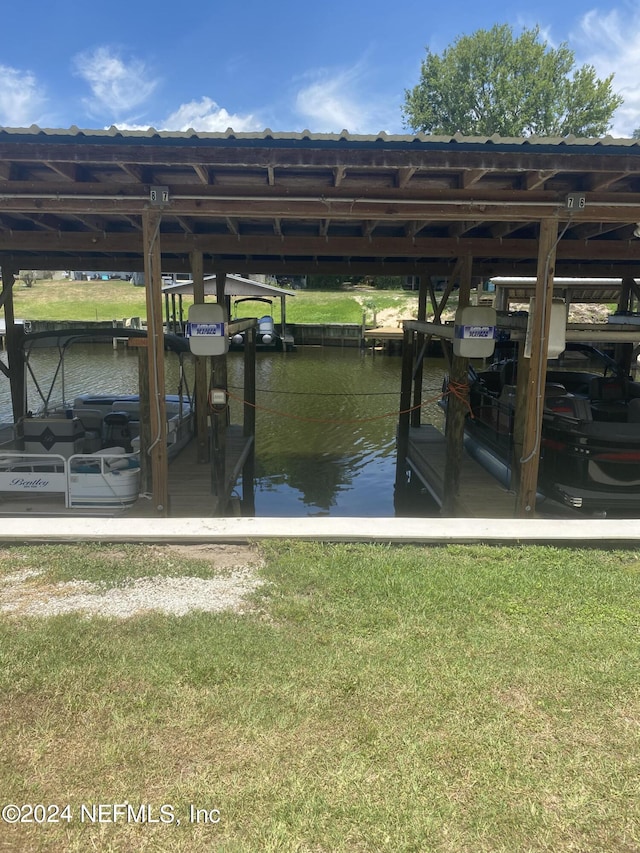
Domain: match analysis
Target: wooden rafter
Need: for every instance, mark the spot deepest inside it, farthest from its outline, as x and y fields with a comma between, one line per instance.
x=232, y=225
x=70, y=171
x=204, y=174
x=140, y=173
x=403, y=176
x=184, y=223
x=535, y=180
x=339, y=173
x=469, y=177
x=602, y=181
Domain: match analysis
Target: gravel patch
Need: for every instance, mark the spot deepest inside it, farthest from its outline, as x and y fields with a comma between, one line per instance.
x=175, y=596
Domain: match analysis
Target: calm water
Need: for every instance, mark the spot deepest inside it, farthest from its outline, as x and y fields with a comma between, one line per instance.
x=325, y=423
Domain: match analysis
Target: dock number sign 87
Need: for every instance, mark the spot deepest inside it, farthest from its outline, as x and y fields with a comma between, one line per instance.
x=159, y=195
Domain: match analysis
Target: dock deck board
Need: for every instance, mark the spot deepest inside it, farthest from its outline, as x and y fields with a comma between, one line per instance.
x=190, y=481
x=480, y=495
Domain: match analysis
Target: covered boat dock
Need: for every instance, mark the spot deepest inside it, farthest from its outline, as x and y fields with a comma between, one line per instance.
x=459, y=209
x=236, y=286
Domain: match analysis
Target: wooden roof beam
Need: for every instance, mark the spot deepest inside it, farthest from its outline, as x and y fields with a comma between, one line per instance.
x=603, y=180
x=232, y=225
x=339, y=173
x=457, y=229
x=142, y=174
x=271, y=176
x=9, y=171
x=368, y=227
x=414, y=227
x=503, y=229
x=324, y=227
x=596, y=229
x=7, y=223
x=535, y=180
x=184, y=224
x=404, y=175
x=204, y=174
x=135, y=222
x=469, y=177
x=70, y=171
x=48, y=222
x=39, y=242
x=97, y=224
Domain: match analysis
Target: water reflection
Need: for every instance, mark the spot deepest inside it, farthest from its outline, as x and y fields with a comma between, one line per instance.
x=326, y=425
x=325, y=422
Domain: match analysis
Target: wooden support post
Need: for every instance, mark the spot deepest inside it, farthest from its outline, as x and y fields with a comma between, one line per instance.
x=249, y=421
x=421, y=345
x=623, y=352
x=141, y=344
x=283, y=321
x=456, y=409
x=522, y=389
x=155, y=336
x=201, y=363
x=624, y=298
x=404, y=419
x=534, y=401
x=14, y=335
x=436, y=319
x=219, y=417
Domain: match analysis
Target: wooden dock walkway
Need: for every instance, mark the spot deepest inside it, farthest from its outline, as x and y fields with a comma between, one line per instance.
x=190, y=481
x=190, y=487
x=480, y=495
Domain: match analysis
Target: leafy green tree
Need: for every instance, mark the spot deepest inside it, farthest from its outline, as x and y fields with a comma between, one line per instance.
x=492, y=82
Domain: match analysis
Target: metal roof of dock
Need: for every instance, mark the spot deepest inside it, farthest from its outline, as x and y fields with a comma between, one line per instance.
x=234, y=285
x=329, y=203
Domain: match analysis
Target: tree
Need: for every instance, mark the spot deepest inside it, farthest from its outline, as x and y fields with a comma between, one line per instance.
x=492, y=82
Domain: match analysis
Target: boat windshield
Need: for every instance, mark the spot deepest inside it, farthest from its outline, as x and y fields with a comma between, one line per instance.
x=586, y=359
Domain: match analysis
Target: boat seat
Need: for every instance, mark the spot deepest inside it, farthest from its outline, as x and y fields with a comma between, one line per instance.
x=608, y=390
x=564, y=403
x=609, y=397
x=131, y=407
x=91, y=418
x=116, y=430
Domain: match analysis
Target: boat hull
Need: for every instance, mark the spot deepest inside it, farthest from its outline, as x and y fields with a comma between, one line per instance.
x=589, y=458
x=107, y=480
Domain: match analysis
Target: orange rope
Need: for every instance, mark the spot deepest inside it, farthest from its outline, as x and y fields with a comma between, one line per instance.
x=459, y=390
x=393, y=414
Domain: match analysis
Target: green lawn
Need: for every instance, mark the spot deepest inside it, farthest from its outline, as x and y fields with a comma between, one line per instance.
x=115, y=300
x=461, y=698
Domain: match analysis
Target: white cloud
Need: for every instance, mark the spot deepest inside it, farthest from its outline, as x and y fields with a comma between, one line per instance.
x=611, y=43
x=21, y=99
x=335, y=102
x=205, y=115
x=117, y=86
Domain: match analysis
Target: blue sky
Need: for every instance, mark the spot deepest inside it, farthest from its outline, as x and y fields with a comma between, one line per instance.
x=288, y=65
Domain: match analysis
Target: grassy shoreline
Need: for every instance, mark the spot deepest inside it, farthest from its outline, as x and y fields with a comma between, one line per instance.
x=116, y=300
x=461, y=698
